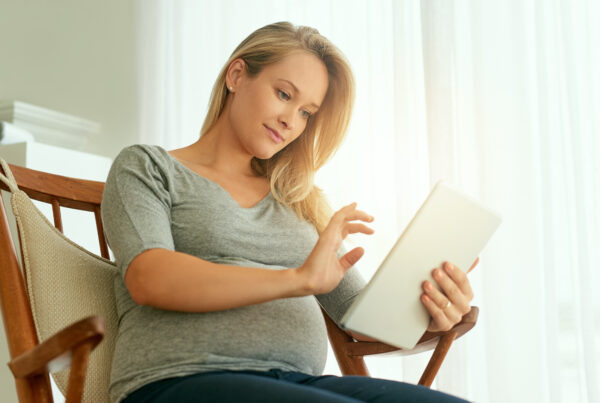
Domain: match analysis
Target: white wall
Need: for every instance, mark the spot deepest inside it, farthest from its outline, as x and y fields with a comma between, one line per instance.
x=76, y=57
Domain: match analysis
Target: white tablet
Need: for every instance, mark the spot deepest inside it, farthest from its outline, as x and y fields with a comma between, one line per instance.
x=449, y=226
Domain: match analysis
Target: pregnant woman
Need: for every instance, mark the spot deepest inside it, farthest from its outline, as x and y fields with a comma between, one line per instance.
x=227, y=249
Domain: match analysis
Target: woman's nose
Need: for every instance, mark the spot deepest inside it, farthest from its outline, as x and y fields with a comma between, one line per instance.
x=286, y=119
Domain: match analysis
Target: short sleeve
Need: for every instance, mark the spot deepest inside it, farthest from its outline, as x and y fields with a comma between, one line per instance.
x=136, y=205
x=337, y=302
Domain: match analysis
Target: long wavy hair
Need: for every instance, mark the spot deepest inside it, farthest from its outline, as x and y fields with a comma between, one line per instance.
x=291, y=170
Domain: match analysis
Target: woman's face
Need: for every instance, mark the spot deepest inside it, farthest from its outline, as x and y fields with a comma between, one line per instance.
x=271, y=110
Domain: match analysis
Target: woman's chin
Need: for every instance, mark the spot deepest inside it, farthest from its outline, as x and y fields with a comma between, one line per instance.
x=265, y=154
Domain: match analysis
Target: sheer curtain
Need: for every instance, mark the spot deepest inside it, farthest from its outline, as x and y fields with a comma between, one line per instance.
x=502, y=99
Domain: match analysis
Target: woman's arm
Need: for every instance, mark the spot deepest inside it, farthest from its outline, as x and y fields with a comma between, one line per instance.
x=172, y=280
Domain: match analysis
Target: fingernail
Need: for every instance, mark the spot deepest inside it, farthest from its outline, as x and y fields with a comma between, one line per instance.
x=449, y=266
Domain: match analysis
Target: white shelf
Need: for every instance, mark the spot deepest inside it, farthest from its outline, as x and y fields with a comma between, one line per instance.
x=48, y=126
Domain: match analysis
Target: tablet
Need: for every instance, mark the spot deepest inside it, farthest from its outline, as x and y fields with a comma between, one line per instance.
x=449, y=226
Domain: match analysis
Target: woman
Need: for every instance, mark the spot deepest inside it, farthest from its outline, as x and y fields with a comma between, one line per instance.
x=227, y=249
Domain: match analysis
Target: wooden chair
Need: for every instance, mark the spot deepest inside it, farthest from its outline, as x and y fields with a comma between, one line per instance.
x=34, y=355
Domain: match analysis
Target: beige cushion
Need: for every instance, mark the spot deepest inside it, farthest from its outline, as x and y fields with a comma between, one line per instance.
x=66, y=283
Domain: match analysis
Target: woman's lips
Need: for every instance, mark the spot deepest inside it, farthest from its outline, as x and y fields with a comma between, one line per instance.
x=274, y=135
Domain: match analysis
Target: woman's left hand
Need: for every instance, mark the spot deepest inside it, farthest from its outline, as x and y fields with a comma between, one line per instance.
x=448, y=305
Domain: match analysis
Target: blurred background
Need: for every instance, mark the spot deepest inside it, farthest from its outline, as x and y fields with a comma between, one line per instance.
x=501, y=99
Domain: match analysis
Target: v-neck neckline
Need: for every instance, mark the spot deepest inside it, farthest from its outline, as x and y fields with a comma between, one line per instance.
x=263, y=200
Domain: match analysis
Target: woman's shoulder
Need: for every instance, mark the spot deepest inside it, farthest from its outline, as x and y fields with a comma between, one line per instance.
x=142, y=151
x=149, y=164
x=143, y=156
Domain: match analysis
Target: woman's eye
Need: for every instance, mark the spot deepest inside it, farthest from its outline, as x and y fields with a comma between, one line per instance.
x=283, y=95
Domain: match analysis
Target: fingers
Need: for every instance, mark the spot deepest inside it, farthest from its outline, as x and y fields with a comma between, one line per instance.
x=473, y=265
x=354, y=228
x=457, y=278
x=349, y=213
x=444, y=318
x=442, y=310
x=350, y=258
x=459, y=295
x=340, y=221
x=435, y=295
x=448, y=305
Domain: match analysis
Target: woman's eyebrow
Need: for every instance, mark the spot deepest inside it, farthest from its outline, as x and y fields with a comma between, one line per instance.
x=298, y=91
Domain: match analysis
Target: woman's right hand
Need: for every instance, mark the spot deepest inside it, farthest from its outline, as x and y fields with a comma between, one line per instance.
x=322, y=271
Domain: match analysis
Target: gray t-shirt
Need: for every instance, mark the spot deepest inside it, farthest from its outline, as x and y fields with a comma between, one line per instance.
x=151, y=200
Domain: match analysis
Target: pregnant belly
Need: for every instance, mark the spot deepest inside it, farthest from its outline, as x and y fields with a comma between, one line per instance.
x=288, y=330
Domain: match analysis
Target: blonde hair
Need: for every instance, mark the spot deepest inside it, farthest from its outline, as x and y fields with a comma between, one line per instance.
x=291, y=170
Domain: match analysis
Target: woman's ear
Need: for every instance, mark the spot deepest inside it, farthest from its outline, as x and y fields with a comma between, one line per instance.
x=235, y=74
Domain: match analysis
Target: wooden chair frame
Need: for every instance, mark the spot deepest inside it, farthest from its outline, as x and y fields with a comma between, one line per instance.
x=31, y=361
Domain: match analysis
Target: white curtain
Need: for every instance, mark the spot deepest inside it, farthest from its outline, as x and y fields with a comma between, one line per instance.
x=500, y=98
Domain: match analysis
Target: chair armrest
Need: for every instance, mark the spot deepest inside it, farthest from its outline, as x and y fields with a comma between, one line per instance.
x=54, y=354
x=427, y=342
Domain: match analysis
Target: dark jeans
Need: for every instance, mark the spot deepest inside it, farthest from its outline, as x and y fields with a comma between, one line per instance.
x=276, y=386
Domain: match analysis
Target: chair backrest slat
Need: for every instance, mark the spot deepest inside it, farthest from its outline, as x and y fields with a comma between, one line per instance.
x=56, y=214
x=101, y=238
